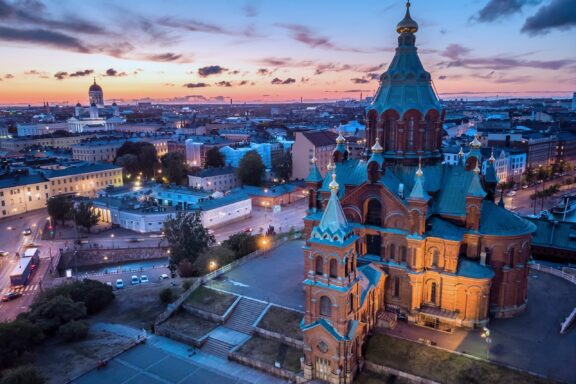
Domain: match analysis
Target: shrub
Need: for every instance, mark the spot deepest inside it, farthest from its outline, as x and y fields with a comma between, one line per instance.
x=241, y=243
x=167, y=296
x=94, y=294
x=51, y=314
x=74, y=330
x=25, y=374
x=219, y=256
x=186, y=268
x=16, y=338
x=186, y=284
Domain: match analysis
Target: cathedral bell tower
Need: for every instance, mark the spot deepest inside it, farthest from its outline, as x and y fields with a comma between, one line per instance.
x=332, y=290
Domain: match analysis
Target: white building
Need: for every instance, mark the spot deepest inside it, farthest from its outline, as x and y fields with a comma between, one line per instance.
x=509, y=163
x=22, y=193
x=215, y=179
x=234, y=155
x=38, y=129
x=193, y=153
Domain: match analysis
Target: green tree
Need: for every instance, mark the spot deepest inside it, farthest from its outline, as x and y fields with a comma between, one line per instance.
x=282, y=166
x=16, y=338
x=26, y=374
x=59, y=208
x=251, y=169
x=241, y=244
x=214, y=159
x=167, y=296
x=50, y=315
x=85, y=216
x=187, y=238
x=94, y=294
x=129, y=163
x=529, y=174
x=174, y=167
x=145, y=153
x=74, y=330
x=213, y=258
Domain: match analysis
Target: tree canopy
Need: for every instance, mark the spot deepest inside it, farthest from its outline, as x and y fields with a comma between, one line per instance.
x=251, y=169
x=187, y=237
x=144, y=152
x=214, y=158
x=282, y=166
x=85, y=216
x=174, y=168
x=59, y=208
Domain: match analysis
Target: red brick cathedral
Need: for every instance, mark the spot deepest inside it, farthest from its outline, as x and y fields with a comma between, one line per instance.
x=398, y=233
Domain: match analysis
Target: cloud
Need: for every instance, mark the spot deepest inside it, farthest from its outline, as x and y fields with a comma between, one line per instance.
x=42, y=37
x=263, y=71
x=169, y=84
x=496, y=9
x=560, y=14
x=219, y=99
x=460, y=57
x=305, y=35
x=373, y=76
x=85, y=72
x=243, y=82
x=196, y=85
x=359, y=81
x=250, y=10
x=211, y=70
x=224, y=84
x=165, y=57
x=235, y=72
x=111, y=72
x=442, y=77
x=277, y=81
x=8, y=76
x=61, y=75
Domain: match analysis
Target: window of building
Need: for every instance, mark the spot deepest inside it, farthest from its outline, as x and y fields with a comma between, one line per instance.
x=319, y=266
x=433, y=293
x=374, y=213
x=435, y=258
x=397, y=286
x=392, y=252
x=333, y=268
x=325, y=306
x=403, y=254
x=350, y=303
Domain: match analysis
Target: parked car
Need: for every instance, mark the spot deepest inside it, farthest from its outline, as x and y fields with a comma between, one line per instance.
x=143, y=279
x=119, y=284
x=11, y=296
x=27, y=231
x=135, y=280
x=525, y=186
x=163, y=276
x=511, y=193
x=3, y=252
x=134, y=240
x=108, y=283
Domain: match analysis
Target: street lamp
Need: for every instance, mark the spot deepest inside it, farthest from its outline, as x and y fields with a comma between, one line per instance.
x=212, y=265
x=486, y=336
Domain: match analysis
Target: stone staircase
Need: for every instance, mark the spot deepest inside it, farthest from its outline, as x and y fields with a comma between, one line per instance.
x=216, y=347
x=244, y=315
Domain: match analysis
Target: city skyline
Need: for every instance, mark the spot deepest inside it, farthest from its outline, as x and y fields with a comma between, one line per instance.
x=253, y=51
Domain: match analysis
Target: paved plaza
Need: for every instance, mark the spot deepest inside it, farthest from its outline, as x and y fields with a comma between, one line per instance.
x=276, y=277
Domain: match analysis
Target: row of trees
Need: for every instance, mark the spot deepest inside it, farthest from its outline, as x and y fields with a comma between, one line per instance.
x=57, y=312
x=62, y=208
x=192, y=247
x=533, y=174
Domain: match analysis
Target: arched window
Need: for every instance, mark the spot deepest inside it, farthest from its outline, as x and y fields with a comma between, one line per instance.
x=435, y=258
x=397, y=286
x=333, y=268
x=510, y=256
x=392, y=252
x=346, y=267
x=403, y=254
x=433, y=293
x=325, y=306
x=319, y=266
x=350, y=303
x=374, y=213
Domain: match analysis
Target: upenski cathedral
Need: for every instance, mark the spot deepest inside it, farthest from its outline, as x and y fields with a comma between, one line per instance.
x=399, y=234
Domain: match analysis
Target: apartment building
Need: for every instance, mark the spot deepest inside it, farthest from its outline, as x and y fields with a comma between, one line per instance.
x=22, y=193
x=215, y=179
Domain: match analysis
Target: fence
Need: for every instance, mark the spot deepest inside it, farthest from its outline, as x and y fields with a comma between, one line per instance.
x=539, y=267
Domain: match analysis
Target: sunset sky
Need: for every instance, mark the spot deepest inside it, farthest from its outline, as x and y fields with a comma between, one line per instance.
x=275, y=50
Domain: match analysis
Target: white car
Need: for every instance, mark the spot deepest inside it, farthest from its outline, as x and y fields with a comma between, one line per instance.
x=143, y=279
x=511, y=194
x=3, y=252
x=119, y=284
x=163, y=276
x=135, y=280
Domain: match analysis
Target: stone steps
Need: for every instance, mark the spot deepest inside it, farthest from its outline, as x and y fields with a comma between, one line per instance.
x=216, y=348
x=244, y=315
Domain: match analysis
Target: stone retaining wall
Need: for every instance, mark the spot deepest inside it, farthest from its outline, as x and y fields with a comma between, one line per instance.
x=267, y=334
x=220, y=319
x=268, y=368
x=381, y=369
x=163, y=330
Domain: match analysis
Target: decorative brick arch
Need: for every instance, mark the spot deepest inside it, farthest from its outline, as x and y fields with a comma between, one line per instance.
x=353, y=214
x=389, y=122
x=398, y=220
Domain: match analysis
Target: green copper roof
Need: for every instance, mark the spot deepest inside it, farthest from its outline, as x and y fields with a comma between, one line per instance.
x=475, y=188
x=495, y=220
x=314, y=176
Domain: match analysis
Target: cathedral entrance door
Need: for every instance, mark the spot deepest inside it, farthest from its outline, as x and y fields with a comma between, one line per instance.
x=322, y=369
x=374, y=245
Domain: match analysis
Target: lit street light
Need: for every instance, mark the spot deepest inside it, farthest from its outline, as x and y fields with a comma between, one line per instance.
x=486, y=336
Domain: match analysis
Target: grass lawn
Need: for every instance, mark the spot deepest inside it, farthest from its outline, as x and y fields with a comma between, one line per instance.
x=373, y=378
x=190, y=325
x=438, y=365
x=137, y=307
x=210, y=300
x=283, y=321
x=59, y=361
x=270, y=351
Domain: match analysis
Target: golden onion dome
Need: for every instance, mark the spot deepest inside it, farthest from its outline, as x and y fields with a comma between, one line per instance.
x=475, y=143
x=407, y=25
x=333, y=184
x=377, y=148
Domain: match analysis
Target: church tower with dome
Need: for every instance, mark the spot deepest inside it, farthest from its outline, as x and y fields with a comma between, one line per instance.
x=96, y=95
x=400, y=235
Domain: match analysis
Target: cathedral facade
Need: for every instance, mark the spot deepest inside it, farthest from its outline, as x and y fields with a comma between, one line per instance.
x=398, y=233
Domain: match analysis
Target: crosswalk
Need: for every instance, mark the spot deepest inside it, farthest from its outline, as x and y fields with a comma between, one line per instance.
x=21, y=289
